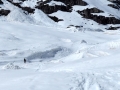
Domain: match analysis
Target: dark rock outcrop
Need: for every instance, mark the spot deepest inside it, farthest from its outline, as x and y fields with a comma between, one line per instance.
x=73, y=2
x=22, y=0
x=28, y=9
x=67, y=7
x=113, y=6
x=66, y=2
x=4, y=12
x=51, y=9
x=16, y=4
x=55, y=18
x=116, y=4
x=99, y=19
x=87, y=11
x=112, y=28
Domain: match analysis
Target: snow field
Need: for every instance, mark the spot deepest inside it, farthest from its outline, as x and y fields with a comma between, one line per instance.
x=58, y=58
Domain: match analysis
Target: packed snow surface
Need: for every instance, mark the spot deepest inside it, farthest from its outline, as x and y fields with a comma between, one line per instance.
x=58, y=58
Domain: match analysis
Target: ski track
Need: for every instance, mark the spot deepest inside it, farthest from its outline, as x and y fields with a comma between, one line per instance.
x=67, y=81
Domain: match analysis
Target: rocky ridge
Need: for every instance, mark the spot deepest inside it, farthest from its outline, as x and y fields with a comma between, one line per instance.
x=50, y=7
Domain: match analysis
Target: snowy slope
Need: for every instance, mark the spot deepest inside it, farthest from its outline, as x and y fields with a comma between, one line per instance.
x=103, y=5
x=74, y=53
x=58, y=58
x=18, y=15
x=62, y=13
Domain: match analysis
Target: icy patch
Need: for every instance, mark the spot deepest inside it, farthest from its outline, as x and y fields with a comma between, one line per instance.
x=11, y=66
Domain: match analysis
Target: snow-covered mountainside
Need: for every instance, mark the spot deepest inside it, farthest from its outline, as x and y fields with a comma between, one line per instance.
x=65, y=13
x=59, y=45
x=58, y=58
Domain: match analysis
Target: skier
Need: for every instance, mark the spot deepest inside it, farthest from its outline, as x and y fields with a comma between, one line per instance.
x=24, y=60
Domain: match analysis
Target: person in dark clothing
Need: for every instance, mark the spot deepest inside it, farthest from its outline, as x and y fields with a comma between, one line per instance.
x=24, y=60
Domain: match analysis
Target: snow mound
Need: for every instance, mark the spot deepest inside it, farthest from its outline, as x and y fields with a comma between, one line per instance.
x=12, y=66
x=13, y=16
x=41, y=17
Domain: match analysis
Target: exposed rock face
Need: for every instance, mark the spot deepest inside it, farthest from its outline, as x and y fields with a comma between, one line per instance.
x=52, y=6
x=73, y=2
x=92, y=10
x=87, y=13
x=28, y=9
x=100, y=19
x=51, y=9
x=4, y=12
x=113, y=6
x=112, y=28
x=55, y=18
x=22, y=0
x=116, y=4
x=16, y=4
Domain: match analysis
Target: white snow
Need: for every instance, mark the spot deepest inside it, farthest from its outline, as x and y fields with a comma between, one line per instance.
x=52, y=3
x=103, y=5
x=58, y=58
x=18, y=15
